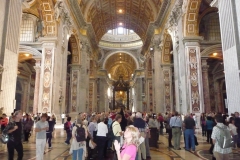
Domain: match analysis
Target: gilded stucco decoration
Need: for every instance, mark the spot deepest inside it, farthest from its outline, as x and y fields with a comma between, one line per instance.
x=191, y=17
x=46, y=14
x=74, y=49
x=167, y=48
x=120, y=64
x=135, y=15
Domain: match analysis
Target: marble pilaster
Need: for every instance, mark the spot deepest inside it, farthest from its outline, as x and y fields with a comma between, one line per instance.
x=206, y=92
x=74, y=91
x=157, y=76
x=26, y=85
x=10, y=22
x=46, y=78
x=229, y=17
x=218, y=96
x=194, y=74
x=168, y=95
x=138, y=100
x=84, y=77
x=37, y=68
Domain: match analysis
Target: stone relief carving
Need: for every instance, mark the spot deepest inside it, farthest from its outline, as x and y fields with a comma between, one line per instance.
x=61, y=11
x=194, y=79
x=1, y=69
x=193, y=62
x=195, y=97
x=184, y=6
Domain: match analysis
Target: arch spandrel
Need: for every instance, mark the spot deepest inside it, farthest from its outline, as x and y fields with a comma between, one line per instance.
x=191, y=18
x=74, y=49
x=166, y=49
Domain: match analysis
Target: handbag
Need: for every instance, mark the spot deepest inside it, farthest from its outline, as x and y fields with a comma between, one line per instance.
x=4, y=138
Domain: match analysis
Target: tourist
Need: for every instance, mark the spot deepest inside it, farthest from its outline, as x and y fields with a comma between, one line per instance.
x=237, y=123
x=68, y=129
x=3, y=121
x=102, y=131
x=189, y=125
x=233, y=130
x=218, y=152
x=78, y=145
x=131, y=142
x=40, y=129
x=209, y=128
x=28, y=124
x=169, y=130
x=153, y=126
x=203, y=124
x=117, y=130
x=176, y=124
x=141, y=125
x=51, y=123
x=15, y=131
x=160, y=120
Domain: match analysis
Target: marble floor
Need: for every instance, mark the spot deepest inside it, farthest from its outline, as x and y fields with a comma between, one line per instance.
x=60, y=150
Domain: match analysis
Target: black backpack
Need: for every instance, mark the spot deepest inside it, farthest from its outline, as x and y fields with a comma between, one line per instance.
x=110, y=134
x=80, y=134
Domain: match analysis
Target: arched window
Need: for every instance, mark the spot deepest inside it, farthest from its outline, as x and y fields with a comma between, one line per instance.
x=28, y=25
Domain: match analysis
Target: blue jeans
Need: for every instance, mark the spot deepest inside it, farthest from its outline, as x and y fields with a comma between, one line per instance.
x=77, y=154
x=69, y=136
x=189, y=137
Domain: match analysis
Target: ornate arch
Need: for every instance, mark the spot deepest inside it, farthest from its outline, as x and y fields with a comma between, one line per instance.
x=114, y=52
x=212, y=49
x=191, y=18
x=75, y=49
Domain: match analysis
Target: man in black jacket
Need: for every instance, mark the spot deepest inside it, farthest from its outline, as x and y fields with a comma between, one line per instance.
x=237, y=123
x=15, y=131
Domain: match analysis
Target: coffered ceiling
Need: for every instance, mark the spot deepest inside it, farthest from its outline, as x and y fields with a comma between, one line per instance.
x=120, y=64
x=110, y=14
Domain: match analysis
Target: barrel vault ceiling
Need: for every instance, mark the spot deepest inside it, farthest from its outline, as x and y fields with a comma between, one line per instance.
x=110, y=14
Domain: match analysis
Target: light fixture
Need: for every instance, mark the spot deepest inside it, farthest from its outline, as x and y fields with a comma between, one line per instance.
x=120, y=10
x=120, y=54
x=27, y=55
x=121, y=92
x=215, y=54
x=120, y=24
x=151, y=49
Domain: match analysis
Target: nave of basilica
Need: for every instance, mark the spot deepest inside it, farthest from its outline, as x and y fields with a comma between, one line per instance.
x=158, y=56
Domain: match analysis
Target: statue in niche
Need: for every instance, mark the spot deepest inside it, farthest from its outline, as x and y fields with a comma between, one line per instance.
x=40, y=28
x=57, y=9
x=184, y=6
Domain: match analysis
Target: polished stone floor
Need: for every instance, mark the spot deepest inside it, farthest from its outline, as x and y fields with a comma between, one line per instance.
x=60, y=150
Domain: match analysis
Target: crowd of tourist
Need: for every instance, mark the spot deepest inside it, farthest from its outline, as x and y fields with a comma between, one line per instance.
x=126, y=135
